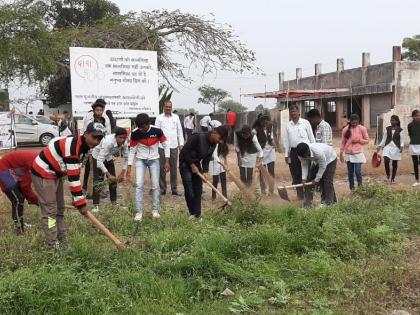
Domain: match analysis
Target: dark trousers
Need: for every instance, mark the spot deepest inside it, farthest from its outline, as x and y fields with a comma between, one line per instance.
x=204, y=129
x=270, y=169
x=86, y=174
x=415, y=159
x=188, y=133
x=387, y=160
x=354, y=168
x=173, y=169
x=296, y=171
x=326, y=184
x=246, y=175
x=223, y=183
x=17, y=199
x=193, y=189
x=98, y=178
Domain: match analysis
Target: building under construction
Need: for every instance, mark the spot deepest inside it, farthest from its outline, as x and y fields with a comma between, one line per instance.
x=368, y=91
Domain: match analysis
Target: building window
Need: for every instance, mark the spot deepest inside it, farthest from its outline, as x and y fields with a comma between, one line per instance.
x=331, y=107
x=308, y=105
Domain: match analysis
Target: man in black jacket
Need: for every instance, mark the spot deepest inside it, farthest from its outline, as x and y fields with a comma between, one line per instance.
x=195, y=157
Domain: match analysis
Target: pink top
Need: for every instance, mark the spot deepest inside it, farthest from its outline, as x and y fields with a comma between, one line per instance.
x=359, y=137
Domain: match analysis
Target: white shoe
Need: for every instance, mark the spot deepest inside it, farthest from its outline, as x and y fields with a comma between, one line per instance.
x=27, y=226
x=416, y=184
x=155, y=215
x=95, y=209
x=138, y=217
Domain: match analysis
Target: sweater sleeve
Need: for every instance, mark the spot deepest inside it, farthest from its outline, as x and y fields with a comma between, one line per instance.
x=25, y=185
x=365, y=136
x=73, y=176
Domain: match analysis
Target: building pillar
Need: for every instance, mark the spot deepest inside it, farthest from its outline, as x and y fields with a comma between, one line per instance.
x=340, y=111
x=366, y=111
x=318, y=106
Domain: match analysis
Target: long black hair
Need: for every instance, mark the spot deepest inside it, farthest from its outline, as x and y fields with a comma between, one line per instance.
x=244, y=144
x=262, y=136
x=353, y=117
x=397, y=119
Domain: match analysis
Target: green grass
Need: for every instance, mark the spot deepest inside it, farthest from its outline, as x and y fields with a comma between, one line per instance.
x=334, y=260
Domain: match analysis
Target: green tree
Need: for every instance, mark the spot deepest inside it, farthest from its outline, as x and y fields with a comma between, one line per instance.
x=232, y=105
x=212, y=96
x=411, y=46
x=36, y=36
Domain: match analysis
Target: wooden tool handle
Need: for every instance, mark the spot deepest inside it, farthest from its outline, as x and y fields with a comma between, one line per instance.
x=120, y=245
x=296, y=186
x=267, y=176
x=214, y=189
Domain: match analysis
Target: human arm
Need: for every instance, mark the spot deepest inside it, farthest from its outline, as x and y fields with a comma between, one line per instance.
x=382, y=143
x=365, y=136
x=180, y=133
x=166, y=148
x=327, y=137
x=25, y=186
x=260, y=150
x=309, y=132
x=286, y=145
x=321, y=160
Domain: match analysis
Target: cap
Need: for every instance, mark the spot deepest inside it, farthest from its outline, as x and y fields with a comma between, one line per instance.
x=96, y=129
x=99, y=103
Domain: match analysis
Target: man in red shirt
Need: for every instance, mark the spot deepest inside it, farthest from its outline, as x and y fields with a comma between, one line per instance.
x=15, y=182
x=231, y=123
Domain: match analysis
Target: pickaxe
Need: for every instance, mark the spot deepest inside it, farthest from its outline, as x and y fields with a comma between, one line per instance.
x=227, y=202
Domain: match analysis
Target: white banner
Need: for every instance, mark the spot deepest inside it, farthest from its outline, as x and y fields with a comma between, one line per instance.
x=7, y=131
x=126, y=79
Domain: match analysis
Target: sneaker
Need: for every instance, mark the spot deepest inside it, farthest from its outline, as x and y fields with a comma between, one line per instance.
x=138, y=217
x=416, y=184
x=155, y=215
x=27, y=226
x=95, y=208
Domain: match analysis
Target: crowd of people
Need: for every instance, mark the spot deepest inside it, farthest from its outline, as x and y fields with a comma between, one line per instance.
x=168, y=147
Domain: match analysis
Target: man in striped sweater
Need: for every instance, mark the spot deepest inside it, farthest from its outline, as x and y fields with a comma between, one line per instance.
x=62, y=158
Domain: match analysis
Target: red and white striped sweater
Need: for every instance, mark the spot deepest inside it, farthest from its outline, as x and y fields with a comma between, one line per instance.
x=62, y=157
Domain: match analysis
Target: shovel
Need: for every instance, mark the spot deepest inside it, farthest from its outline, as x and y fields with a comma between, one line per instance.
x=227, y=202
x=238, y=182
x=120, y=245
x=283, y=190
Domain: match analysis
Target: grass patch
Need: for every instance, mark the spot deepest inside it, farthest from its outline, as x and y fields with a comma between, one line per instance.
x=334, y=260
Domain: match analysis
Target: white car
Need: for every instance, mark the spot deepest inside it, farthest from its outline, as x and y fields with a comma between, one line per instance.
x=34, y=129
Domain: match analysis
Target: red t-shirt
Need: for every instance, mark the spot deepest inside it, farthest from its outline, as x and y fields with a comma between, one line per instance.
x=19, y=163
x=231, y=118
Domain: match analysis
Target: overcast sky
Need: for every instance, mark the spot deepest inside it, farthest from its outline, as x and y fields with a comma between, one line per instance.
x=286, y=34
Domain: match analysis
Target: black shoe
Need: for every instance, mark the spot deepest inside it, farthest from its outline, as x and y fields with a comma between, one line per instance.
x=175, y=193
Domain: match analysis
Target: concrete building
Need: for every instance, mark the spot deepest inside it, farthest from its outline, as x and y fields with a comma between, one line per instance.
x=369, y=90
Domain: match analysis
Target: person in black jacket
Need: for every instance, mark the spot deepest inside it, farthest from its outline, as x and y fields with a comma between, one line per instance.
x=195, y=157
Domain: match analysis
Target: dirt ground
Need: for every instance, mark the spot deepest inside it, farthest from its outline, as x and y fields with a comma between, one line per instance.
x=371, y=175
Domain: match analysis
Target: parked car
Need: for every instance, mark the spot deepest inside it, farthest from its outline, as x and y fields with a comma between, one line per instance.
x=34, y=129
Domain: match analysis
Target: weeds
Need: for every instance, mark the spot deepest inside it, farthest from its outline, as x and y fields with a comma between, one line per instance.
x=333, y=260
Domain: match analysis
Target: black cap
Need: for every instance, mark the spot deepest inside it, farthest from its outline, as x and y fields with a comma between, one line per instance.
x=96, y=129
x=99, y=103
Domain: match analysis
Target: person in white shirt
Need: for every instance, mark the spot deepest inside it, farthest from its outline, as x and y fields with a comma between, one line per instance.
x=217, y=170
x=319, y=162
x=264, y=130
x=297, y=130
x=103, y=164
x=213, y=124
x=204, y=122
x=172, y=129
x=97, y=114
x=249, y=153
x=189, y=125
x=144, y=144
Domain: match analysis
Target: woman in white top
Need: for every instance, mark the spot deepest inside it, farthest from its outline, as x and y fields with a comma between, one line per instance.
x=392, y=145
x=263, y=128
x=216, y=169
x=414, y=147
x=249, y=153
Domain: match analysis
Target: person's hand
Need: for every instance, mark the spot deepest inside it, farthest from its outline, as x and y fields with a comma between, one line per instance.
x=342, y=157
x=128, y=173
x=378, y=148
x=111, y=178
x=83, y=210
x=194, y=169
x=259, y=162
x=180, y=147
x=225, y=166
x=304, y=182
x=401, y=149
x=356, y=140
x=166, y=166
x=286, y=159
x=121, y=177
x=315, y=182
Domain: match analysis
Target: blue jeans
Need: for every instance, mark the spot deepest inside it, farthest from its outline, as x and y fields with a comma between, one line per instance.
x=154, y=169
x=353, y=168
